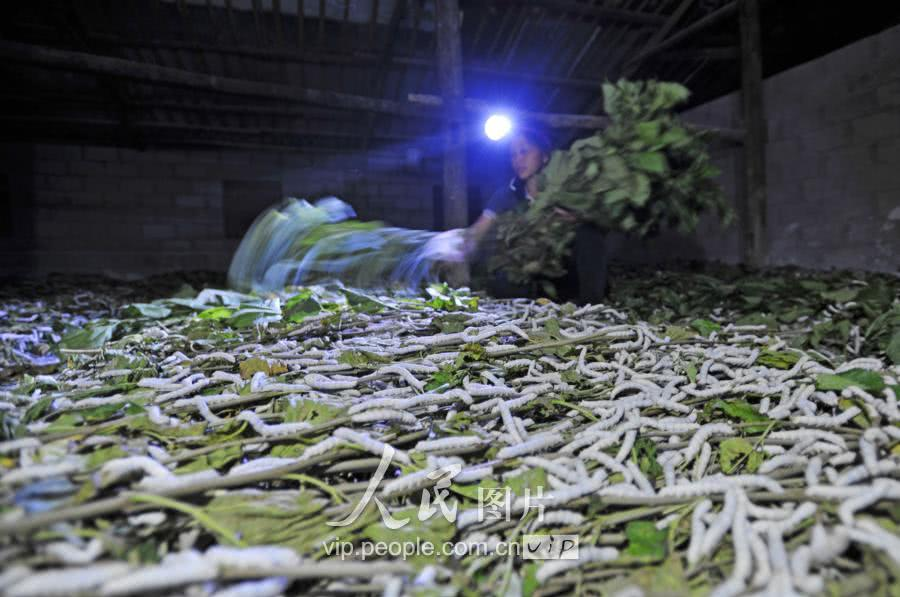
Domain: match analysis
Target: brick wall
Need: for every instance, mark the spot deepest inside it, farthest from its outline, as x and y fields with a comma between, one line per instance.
x=833, y=165
x=122, y=211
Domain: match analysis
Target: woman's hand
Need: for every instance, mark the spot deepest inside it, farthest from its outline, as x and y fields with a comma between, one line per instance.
x=566, y=215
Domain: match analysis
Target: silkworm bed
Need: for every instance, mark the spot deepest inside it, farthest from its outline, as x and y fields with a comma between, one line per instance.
x=226, y=444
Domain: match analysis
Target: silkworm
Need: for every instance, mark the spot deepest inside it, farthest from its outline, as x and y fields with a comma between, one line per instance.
x=119, y=468
x=320, y=382
x=450, y=443
x=16, y=445
x=798, y=435
x=698, y=529
x=68, y=581
x=370, y=444
x=702, y=435
x=702, y=462
x=66, y=553
x=559, y=518
x=782, y=461
x=385, y=414
x=175, y=570
x=185, y=391
x=258, y=557
x=266, y=430
x=268, y=587
x=825, y=420
x=508, y=422
x=723, y=522
x=586, y=555
x=537, y=443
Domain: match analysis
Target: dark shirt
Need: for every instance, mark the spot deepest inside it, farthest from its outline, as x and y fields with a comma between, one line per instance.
x=506, y=198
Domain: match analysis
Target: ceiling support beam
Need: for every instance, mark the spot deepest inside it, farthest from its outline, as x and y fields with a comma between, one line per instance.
x=450, y=76
x=753, y=225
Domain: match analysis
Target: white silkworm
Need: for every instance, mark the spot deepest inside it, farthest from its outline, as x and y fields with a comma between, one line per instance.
x=702, y=435
x=639, y=479
x=782, y=461
x=586, y=555
x=369, y=444
x=869, y=532
x=402, y=372
x=68, y=581
x=716, y=531
x=268, y=587
x=474, y=473
x=266, y=430
x=450, y=443
x=180, y=393
x=257, y=557
x=157, y=484
x=385, y=414
x=537, y=443
x=320, y=382
x=66, y=553
x=702, y=462
x=207, y=414
x=175, y=570
x=227, y=377
x=799, y=435
x=214, y=356
x=15, y=445
x=559, y=518
x=826, y=420
x=698, y=530
x=260, y=464
x=627, y=444
x=812, y=472
x=114, y=470
x=508, y=422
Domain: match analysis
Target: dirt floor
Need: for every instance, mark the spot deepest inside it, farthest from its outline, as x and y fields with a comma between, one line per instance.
x=707, y=429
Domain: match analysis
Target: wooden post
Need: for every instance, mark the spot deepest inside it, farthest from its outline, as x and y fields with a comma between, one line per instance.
x=450, y=74
x=753, y=229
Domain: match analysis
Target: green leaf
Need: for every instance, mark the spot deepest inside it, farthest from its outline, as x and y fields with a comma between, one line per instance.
x=252, y=366
x=842, y=295
x=643, y=453
x=782, y=359
x=217, y=459
x=92, y=336
x=215, y=313
x=645, y=541
x=742, y=411
x=151, y=310
x=893, y=348
x=533, y=479
x=861, y=378
x=300, y=306
x=361, y=359
x=313, y=412
x=732, y=450
x=705, y=327
x=650, y=161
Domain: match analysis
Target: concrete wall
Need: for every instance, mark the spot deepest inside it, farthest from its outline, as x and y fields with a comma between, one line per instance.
x=121, y=211
x=833, y=163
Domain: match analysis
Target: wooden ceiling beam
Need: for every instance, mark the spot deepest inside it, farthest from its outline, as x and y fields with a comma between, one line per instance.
x=160, y=75
x=589, y=10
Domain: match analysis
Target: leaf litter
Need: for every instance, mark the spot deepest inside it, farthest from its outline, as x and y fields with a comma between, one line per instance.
x=712, y=431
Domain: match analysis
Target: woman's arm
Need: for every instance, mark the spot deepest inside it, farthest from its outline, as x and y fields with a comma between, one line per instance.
x=481, y=227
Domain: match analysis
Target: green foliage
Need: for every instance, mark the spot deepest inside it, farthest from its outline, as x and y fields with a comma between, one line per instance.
x=738, y=410
x=645, y=541
x=737, y=452
x=646, y=171
x=644, y=455
x=867, y=380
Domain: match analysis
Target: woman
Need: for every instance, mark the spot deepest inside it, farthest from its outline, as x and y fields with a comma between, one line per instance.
x=586, y=266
